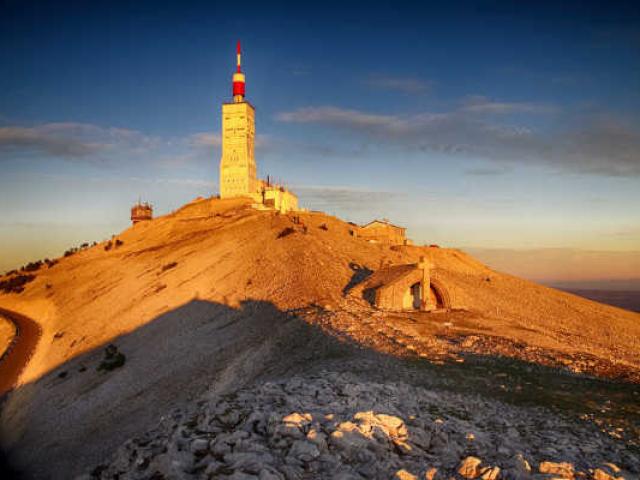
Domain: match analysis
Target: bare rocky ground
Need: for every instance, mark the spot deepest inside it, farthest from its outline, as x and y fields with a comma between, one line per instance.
x=331, y=407
x=332, y=424
x=213, y=303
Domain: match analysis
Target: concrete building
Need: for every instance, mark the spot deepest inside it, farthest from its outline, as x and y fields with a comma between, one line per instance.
x=238, y=169
x=382, y=231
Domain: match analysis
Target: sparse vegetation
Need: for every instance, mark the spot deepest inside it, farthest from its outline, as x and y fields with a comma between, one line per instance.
x=112, y=359
x=119, y=243
x=285, y=232
x=323, y=227
x=32, y=266
x=107, y=246
x=15, y=284
x=169, y=266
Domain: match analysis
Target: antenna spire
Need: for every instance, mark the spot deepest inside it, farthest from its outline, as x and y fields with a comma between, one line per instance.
x=238, y=53
x=238, y=79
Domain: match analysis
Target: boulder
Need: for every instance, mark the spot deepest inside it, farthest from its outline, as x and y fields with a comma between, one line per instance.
x=600, y=474
x=269, y=474
x=247, y=461
x=562, y=470
x=490, y=473
x=200, y=446
x=431, y=473
x=404, y=475
x=304, y=451
x=470, y=467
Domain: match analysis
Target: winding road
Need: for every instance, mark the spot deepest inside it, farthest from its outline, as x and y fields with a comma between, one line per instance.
x=18, y=354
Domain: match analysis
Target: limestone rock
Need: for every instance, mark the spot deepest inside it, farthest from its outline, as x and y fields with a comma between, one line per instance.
x=248, y=462
x=304, y=450
x=200, y=446
x=241, y=476
x=600, y=474
x=431, y=473
x=563, y=469
x=404, y=475
x=490, y=473
x=470, y=467
x=268, y=474
x=297, y=419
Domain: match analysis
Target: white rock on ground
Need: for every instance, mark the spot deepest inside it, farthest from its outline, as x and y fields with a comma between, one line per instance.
x=341, y=426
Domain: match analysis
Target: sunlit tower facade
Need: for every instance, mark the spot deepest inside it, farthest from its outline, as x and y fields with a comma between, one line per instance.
x=238, y=173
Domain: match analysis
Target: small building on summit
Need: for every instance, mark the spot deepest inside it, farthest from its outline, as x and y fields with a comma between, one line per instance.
x=406, y=287
x=382, y=231
x=238, y=169
x=141, y=212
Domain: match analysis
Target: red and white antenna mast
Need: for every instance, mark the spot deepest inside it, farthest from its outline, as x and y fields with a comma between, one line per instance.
x=238, y=80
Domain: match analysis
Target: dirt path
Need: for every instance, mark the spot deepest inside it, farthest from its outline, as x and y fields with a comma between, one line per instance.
x=15, y=359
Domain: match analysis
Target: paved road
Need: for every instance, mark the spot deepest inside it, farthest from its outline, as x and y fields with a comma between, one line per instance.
x=20, y=351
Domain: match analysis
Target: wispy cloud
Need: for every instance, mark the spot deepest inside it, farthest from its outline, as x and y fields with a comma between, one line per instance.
x=409, y=85
x=488, y=171
x=482, y=104
x=602, y=145
x=345, y=198
x=70, y=140
x=205, y=139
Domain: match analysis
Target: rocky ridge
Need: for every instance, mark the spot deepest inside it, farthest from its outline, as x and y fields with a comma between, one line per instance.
x=342, y=426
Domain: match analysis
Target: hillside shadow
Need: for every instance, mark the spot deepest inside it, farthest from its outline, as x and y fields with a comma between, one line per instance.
x=75, y=416
x=360, y=274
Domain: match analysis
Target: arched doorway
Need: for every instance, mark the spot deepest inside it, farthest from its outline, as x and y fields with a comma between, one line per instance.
x=416, y=295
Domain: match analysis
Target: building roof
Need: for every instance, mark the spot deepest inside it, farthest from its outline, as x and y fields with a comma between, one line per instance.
x=384, y=222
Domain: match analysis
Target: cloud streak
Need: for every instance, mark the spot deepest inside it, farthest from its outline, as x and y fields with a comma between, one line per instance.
x=345, y=198
x=600, y=145
x=408, y=85
x=70, y=140
x=483, y=105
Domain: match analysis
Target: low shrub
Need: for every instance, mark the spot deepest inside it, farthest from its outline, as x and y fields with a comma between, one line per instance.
x=323, y=227
x=112, y=359
x=15, y=284
x=285, y=232
x=32, y=266
x=119, y=243
x=169, y=266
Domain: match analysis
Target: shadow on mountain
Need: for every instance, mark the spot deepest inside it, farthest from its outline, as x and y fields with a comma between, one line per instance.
x=75, y=417
x=360, y=274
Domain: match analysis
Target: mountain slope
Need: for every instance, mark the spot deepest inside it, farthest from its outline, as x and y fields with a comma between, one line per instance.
x=215, y=295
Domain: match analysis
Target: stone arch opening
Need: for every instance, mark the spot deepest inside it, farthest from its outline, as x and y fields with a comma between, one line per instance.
x=439, y=295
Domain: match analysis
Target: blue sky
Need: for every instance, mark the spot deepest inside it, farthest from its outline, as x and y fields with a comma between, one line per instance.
x=476, y=124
